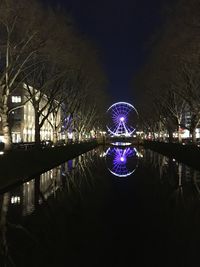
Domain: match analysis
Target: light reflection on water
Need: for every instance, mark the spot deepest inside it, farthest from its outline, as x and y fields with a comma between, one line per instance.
x=36, y=191
x=172, y=171
x=177, y=190
x=121, y=162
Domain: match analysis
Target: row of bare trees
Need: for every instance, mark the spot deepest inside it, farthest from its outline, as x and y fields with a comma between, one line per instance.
x=43, y=53
x=168, y=85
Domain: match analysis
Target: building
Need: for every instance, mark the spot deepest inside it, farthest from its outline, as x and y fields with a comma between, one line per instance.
x=22, y=119
x=186, y=121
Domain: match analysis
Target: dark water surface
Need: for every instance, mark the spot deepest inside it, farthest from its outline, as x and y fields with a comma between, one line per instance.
x=109, y=207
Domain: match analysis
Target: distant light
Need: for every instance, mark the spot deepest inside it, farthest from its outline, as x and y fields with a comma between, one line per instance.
x=15, y=200
x=122, y=119
x=102, y=155
x=1, y=152
x=121, y=144
x=139, y=154
x=70, y=135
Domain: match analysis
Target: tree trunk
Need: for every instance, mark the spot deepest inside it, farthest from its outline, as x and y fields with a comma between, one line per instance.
x=159, y=132
x=79, y=137
x=6, y=132
x=193, y=133
x=179, y=134
x=3, y=226
x=159, y=136
x=66, y=137
x=193, y=126
x=170, y=135
x=55, y=136
x=37, y=129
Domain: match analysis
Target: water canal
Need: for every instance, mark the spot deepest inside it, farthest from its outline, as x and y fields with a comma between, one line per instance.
x=109, y=207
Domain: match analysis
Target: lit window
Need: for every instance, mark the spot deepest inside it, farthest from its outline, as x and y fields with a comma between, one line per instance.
x=16, y=99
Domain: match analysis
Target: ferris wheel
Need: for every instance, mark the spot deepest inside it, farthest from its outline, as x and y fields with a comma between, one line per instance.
x=121, y=162
x=121, y=117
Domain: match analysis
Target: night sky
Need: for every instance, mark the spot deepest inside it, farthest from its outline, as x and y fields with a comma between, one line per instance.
x=122, y=30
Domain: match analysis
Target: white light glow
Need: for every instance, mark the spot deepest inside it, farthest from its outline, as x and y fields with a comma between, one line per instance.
x=15, y=200
x=121, y=144
x=70, y=135
x=121, y=175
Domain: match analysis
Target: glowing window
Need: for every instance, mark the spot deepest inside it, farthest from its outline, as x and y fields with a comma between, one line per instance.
x=16, y=99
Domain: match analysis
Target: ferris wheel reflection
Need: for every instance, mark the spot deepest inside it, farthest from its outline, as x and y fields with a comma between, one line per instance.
x=122, y=162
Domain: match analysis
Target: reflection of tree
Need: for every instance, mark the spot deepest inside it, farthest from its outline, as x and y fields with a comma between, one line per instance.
x=177, y=193
x=5, y=257
x=37, y=191
x=81, y=175
x=57, y=199
x=157, y=161
x=195, y=183
x=186, y=195
x=179, y=182
x=161, y=164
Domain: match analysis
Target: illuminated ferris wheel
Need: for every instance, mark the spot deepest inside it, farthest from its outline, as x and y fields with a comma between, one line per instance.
x=121, y=117
x=121, y=162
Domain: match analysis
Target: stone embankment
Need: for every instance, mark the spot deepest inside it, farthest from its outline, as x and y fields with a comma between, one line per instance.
x=18, y=166
x=187, y=154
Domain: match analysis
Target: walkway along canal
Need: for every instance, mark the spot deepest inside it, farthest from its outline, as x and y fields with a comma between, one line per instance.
x=108, y=207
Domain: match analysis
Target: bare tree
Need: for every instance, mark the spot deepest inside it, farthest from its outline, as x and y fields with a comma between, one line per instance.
x=20, y=40
x=172, y=72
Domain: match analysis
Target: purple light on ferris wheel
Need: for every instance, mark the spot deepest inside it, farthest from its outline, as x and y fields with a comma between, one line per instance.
x=122, y=159
x=120, y=115
x=121, y=162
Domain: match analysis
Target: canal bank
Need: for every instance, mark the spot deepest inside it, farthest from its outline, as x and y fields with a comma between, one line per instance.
x=18, y=166
x=187, y=154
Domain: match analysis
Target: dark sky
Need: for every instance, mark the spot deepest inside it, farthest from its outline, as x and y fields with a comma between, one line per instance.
x=122, y=30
